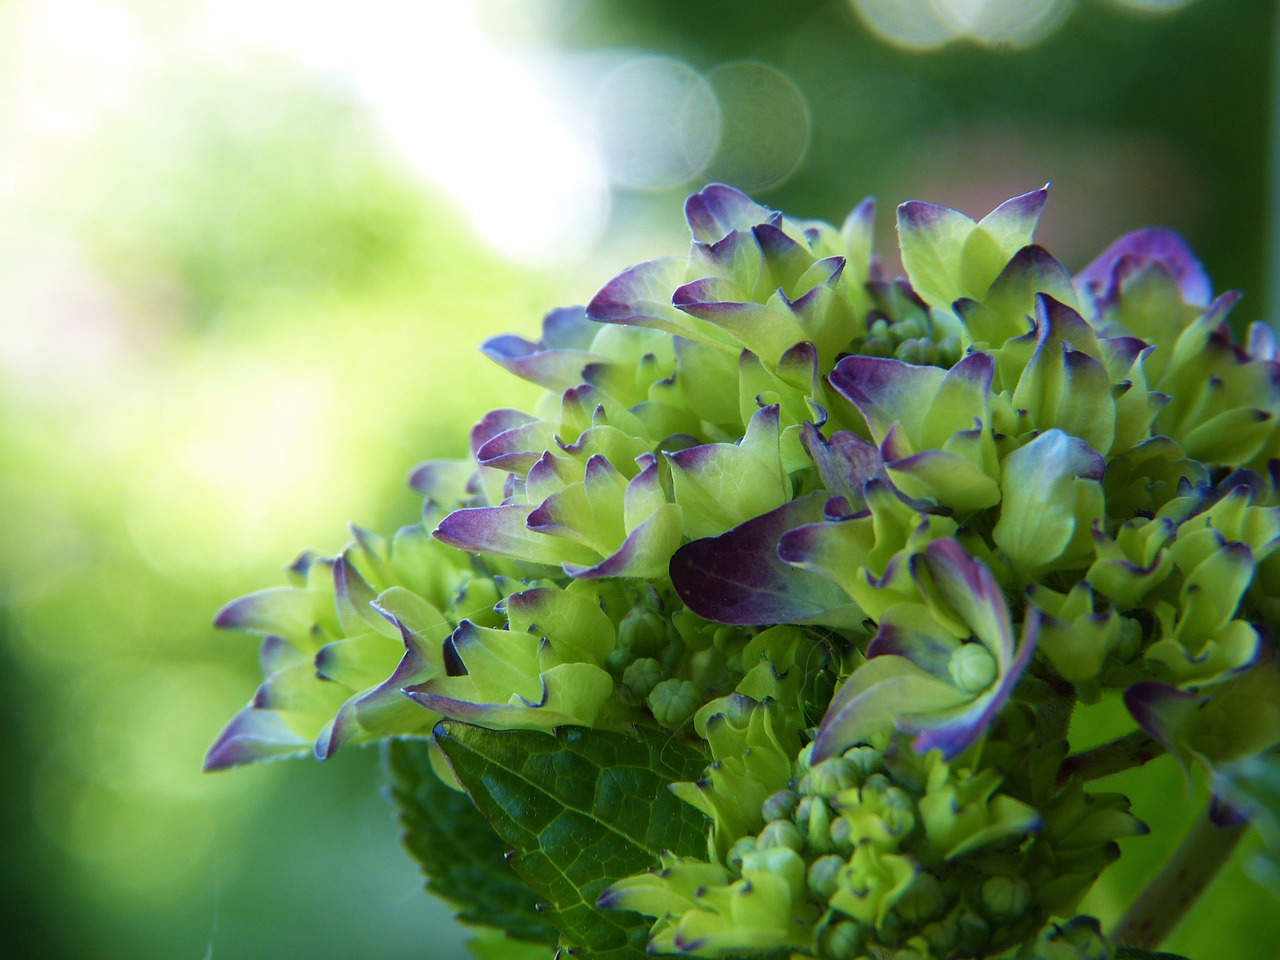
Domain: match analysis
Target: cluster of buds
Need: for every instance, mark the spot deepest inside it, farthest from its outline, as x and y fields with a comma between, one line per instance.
x=877, y=852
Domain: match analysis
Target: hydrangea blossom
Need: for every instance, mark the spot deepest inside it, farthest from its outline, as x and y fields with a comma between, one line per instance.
x=858, y=543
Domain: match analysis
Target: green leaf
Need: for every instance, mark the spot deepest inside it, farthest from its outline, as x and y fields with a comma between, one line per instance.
x=495, y=945
x=583, y=808
x=460, y=853
x=1136, y=953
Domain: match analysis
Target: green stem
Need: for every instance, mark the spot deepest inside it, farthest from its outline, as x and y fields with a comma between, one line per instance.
x=1131, y=750
x=1178, y=885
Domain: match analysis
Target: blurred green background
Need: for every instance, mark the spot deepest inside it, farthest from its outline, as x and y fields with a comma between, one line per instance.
x=247, y=250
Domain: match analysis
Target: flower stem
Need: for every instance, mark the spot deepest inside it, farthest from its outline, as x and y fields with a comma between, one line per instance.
x=1132, y=750
x=1178, y=885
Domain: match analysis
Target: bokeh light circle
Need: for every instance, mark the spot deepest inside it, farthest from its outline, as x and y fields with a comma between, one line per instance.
x=764, y=125
x=931, y=24
x=657, y=123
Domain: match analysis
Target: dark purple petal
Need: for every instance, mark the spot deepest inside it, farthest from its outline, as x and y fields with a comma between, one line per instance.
x=846, y=463
x=1133, y=251
x=718, y=209
x=738, y=577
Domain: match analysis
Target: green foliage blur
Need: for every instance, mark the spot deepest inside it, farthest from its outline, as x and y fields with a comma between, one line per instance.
x=232, y=317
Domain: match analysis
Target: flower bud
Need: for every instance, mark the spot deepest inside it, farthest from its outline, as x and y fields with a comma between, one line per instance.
x=823, y=874
x=642, y=632
x=781, y=833
x=830, y=777
x=841, y=834
x=843, y=941
x=674, y=702
x=941, y=935
x=779, y=806
x=642, y=676
x=972, y=667
x=1005, y=898
x=741, y=848
x=867, y=759
x=923, y=900
x=816, y=824
x=972, y=933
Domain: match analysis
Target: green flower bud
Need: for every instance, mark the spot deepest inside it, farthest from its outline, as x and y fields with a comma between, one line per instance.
x=674, y=702
x=642, y=676
x=830, y=777
x=867, y=759
x=879, y=329
x=916, y=350
x=816, y=823
x=642, y=632
x=1078, y=939
x=1005, y=898
x=972, y=933
x=921, y=901
x=781, y=833
x=909, y=329
x=841, y=834
x=972, y=667
x=740, y=849
x=822, y=876
x=941, y=935
x=843, y=941
x=780, y=806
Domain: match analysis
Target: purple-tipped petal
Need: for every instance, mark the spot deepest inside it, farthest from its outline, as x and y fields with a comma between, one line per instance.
x=503, y=531
x=886, y=391
x=1014, y=221
x=1103, y=277
x=254, y=735
x=959, y=733
x=282, y=611
x=568, y=328
x=640, y=295
x=717, y=209
x=553, y=369
x=494, y=423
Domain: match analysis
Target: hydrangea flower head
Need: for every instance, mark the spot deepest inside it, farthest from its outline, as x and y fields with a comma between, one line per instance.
x=857, y=545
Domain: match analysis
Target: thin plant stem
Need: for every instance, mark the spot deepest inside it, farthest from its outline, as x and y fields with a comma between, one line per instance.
x=1132, y=750
x=1173, y=891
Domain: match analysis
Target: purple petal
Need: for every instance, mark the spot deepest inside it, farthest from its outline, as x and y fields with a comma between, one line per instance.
x=738, y=577
x=718, y=209
x=1103, y=278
